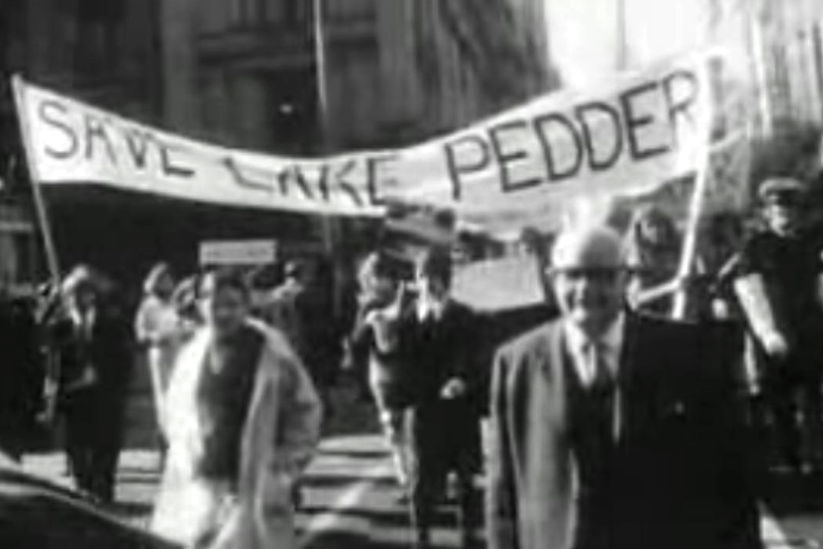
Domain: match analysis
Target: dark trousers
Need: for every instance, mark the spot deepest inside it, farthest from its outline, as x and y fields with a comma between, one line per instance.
x=792, y=394
x=93, y=439
x=444, y=438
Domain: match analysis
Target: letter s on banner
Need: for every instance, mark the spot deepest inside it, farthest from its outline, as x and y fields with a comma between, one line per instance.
x=49, y=112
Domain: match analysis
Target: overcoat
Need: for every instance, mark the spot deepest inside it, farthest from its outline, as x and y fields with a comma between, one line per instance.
x=279, y=437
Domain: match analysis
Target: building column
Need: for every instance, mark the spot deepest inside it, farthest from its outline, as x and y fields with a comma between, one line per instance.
x=178, y=35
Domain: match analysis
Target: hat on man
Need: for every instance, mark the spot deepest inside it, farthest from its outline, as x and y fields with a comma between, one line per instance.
x=81, y=277
x=777, y=187
x=294, y=268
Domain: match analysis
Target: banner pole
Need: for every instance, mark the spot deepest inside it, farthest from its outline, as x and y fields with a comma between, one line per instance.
x=326, y=221
x=34, y=182
x=689, y=251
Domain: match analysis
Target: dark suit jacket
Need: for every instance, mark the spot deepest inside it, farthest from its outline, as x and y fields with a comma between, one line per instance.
x=108, y=353
x=680, y=478
x=449, y=349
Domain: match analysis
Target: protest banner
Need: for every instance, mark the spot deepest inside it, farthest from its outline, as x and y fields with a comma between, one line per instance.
x=627, y=136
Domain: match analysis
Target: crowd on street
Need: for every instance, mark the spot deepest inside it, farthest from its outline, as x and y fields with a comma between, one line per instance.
x=610, y=424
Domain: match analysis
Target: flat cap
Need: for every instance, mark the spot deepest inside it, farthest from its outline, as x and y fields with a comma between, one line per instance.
x=780, y=186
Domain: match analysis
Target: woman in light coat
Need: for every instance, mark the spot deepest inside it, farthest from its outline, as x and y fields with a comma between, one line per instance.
x=159, y=331
x=243, y=422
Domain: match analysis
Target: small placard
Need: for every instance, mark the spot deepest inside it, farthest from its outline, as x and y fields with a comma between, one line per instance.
x=238, y=252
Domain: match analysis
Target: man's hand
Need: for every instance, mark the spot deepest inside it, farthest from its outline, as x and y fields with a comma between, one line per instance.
x=454, y=388
x=775, y=344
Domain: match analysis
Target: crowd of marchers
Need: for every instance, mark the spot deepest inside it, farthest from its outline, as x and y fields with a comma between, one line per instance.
x=609, y=424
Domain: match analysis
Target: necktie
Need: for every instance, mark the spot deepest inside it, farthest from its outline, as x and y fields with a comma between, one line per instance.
x=602, y=388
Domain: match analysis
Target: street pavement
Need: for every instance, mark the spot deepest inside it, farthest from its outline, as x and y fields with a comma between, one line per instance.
x=350, y=499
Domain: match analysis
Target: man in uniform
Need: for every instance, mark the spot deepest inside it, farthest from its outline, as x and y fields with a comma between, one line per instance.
x=777, y=284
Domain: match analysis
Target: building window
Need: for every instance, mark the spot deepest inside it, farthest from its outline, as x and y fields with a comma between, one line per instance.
x=97, y=44
x=255, y=13
x=292, y=111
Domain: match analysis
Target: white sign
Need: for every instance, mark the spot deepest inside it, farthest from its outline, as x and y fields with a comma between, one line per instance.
x=238, y=252
x=499, y=284
x=627, y=136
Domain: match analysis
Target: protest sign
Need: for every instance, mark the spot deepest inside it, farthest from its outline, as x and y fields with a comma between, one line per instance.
x=499, y=284
x=627, y=136
x=238, y=252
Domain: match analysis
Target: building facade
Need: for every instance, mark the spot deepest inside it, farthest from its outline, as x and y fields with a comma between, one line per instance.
x=246, y=72
x=290, y=77
x=101, y=51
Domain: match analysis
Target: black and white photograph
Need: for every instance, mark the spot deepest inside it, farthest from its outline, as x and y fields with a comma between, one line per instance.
x=411, y=274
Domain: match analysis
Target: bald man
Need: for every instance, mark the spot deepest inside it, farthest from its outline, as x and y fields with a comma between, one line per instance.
x=611, y=430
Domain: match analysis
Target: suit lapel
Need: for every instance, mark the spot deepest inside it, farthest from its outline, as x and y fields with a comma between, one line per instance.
x=553, y=358
x=555, y=352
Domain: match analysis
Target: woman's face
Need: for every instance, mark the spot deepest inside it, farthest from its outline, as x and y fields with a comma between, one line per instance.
x=383, y=287
x=165, y=285
x=84, y=298
x=225, y=309
x=654, y=230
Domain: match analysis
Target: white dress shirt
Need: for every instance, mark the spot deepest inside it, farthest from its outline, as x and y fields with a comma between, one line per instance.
x=431, y=308
x=610, y=344
x=84, y=321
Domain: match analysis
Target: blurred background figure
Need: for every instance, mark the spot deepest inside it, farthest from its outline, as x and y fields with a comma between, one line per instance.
x=653, y=254
x=301, y=308
x=721, y=254
x=777, y=282
x=436, y=335
x=185, y=302
x=159, y=333
x=20, y=373
x=653, y=248
x=243, y=422
x=386, y=374
x=90, y=377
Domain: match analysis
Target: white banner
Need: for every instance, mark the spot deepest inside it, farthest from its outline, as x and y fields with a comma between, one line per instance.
x=627, y=136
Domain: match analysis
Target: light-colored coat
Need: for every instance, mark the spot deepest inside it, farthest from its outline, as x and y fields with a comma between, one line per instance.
x=279, y=437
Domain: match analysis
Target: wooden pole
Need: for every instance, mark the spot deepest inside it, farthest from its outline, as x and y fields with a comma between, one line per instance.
x=689, y=252
x=326, y=221
x=53, y=365
x=34, y=180
x=329, y=226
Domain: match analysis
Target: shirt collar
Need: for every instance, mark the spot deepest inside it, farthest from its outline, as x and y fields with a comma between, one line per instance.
x=81, y=319
x=426, y=307
x=612, y=338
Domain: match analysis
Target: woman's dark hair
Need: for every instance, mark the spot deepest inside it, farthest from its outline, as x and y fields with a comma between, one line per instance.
x=656, y=216
x=222, y=279
x=157, y=272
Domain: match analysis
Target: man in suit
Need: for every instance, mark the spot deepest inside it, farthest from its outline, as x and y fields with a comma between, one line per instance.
x=611, y=430
x=437, y=342
x=90, y=379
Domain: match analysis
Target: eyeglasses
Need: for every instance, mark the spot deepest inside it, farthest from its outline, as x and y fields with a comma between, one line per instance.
x=785, y=200
x=593, y=274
